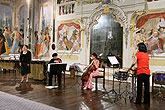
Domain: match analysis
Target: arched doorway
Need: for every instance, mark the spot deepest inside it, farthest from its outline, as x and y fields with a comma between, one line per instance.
x=107, y=38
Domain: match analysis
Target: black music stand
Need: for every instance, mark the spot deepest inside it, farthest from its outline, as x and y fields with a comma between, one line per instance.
x=55, y=67
x=114, y=62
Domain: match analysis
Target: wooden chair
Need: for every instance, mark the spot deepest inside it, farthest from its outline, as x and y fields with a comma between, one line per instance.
x=100, y=76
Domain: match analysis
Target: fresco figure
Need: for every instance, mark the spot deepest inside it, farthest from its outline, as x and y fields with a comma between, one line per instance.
x=38, y=45
x=8, y=43
x=2, y=43
x=153, y=43
x=162, y=37
x=46, y=42
x=16, y=38
x=140, y=36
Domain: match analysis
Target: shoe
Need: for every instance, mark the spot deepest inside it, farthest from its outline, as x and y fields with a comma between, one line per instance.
x=27, y=81
x=21, y=81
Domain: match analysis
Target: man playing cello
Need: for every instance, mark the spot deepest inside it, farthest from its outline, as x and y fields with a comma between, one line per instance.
x=91, y=71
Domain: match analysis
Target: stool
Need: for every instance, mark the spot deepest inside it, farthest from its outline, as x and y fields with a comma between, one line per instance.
x=100, y=76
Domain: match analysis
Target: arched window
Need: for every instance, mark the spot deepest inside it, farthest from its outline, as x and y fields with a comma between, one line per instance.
x=107, y=38
x=6, y=16
x=22, y=17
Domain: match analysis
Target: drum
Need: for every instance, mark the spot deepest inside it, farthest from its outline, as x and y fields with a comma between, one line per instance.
x=121, y=75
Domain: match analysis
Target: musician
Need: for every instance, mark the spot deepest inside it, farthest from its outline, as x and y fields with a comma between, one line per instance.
x=55, y=59
x=25, y=60
x=143, y=73
x=92, y=70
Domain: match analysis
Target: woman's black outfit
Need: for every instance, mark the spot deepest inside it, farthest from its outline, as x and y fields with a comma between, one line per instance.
x=25, y=59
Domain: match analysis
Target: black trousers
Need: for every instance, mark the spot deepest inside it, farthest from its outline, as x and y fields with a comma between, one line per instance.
x=58, y=73
x=143, y=78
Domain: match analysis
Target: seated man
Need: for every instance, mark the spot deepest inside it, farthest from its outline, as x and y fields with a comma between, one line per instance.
x=55, y=59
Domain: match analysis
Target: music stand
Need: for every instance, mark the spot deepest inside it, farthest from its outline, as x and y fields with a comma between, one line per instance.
x=114, y=62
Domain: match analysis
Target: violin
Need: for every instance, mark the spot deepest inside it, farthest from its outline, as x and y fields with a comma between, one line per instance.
x=88, y=71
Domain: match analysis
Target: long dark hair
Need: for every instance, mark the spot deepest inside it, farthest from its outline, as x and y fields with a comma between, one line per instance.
x=95, y=55
x=142, y=47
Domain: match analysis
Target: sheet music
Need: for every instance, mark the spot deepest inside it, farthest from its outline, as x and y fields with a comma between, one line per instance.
x=113, y=60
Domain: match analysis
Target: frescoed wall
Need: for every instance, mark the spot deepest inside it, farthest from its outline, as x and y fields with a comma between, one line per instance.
x=69, y=37
x=151, y=31
x=42, y=36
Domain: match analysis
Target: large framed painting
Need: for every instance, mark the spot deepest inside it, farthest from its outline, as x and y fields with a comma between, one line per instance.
x=69, y=37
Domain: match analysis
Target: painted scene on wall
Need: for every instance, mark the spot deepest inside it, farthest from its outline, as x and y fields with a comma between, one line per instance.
x=11, y=38
x=69, y=37
x=43, y=38
x=151, y=31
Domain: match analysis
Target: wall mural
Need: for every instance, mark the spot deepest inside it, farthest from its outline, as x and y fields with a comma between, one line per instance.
x=69, y=37
x=150, y=29
x=42, y=44
x=43, y=38
x=10, y=39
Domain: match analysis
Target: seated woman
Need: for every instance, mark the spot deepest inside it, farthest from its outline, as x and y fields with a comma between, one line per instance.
x=91, y=71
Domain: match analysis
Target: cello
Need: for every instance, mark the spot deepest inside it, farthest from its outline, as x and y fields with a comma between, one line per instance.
x=87, y=72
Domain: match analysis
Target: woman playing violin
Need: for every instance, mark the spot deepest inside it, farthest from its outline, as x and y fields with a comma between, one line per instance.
x=92, y=70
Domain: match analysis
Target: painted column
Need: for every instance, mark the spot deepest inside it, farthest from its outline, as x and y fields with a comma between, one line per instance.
x=27, y=22
x=14, y=16
x=32, y=37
